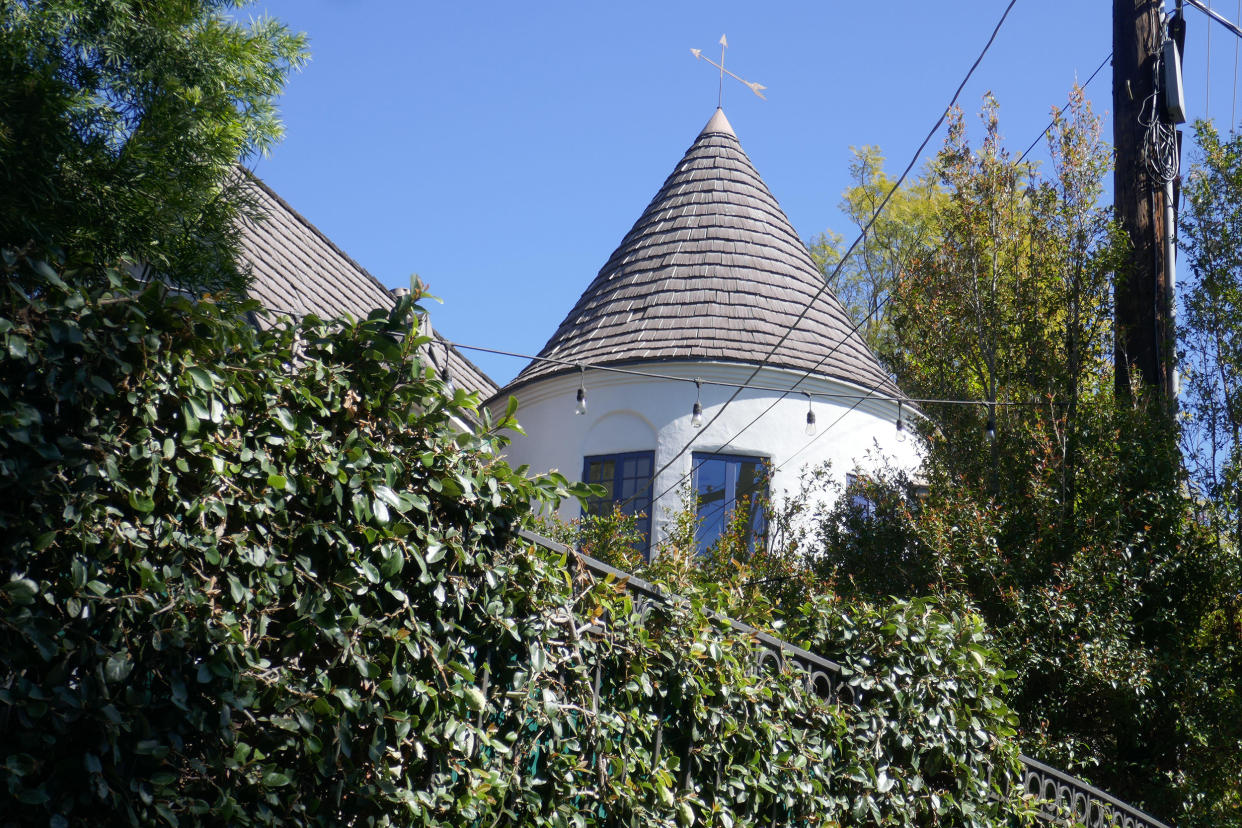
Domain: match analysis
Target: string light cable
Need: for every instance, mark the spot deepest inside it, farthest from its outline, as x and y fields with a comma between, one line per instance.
x=743, y=386
x=613, y=369
x=858, y=398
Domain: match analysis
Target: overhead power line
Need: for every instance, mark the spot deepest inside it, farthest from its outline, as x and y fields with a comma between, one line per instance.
x=1053, y=122
x=1233, y=27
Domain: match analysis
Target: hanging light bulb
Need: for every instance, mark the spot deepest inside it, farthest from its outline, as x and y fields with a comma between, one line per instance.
x=901, y=425
x=991, y=427
x=810, y=418
x=449, y=385
x=696, y=413
x=581, y=407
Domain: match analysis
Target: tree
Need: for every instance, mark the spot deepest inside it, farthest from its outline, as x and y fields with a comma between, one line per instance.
x=122, y=123
x=1067, y=531
x=899, y=234
x=1211, y=332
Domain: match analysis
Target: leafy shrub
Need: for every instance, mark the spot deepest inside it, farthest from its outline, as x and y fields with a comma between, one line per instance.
x=243, y=563
x=924, y=737
x=259, y=578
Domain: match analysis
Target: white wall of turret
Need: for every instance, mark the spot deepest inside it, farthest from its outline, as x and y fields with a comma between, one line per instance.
x=627, y=413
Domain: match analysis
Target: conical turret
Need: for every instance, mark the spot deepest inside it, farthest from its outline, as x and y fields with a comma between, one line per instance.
x=714, y=271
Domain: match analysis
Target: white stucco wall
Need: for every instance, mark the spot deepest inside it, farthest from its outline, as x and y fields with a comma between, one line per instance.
x=628, y=413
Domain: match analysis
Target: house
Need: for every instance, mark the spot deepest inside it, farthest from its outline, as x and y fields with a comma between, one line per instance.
x=707, y=353
x=707, y=357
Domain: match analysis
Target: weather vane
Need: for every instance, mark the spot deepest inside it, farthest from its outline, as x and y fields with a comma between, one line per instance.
x=757, y=88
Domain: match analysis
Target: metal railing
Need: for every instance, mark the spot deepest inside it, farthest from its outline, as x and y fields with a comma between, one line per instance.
x=1062, y=798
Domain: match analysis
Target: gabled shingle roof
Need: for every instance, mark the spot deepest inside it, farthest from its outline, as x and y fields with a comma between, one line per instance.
x=297, y=270
x=712, y=270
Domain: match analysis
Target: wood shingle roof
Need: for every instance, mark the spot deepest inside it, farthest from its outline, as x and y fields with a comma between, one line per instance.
x=712, y=270
x=297, y=270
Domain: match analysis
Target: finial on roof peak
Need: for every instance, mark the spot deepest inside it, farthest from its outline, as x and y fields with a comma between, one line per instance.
x=718, y=123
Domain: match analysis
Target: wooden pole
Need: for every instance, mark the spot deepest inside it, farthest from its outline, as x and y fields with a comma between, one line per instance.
x=1142, y=347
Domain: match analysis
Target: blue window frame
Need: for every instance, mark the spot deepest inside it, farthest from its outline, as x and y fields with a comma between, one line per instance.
x=860, y=500
x=724, y=483
x=627, y=479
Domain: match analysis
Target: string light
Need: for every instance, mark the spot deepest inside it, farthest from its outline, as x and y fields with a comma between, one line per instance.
x=991, y=427
x=810, y=418
x=581, y=408
x=696, y=413
x=901, y=425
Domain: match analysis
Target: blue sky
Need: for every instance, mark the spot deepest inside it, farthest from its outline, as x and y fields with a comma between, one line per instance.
x=502, y=150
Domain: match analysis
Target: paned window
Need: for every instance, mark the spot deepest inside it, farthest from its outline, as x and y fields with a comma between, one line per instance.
x=860, y=498
x=724, y=483
x=627, y=479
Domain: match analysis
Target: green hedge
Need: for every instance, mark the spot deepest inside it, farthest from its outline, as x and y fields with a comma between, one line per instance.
x=259, y=577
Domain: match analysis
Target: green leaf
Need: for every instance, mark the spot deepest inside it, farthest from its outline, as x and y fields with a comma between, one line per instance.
x=199, y=408
x=21, y=764
x=275, y=779
x=286, y=419
x=47, y=272
x=474, y=697
x=388, y=496
x=17, y=346
x=118, y=666
x=349, y=699
x=141, y=501
x=201, y=378
x=21, y=590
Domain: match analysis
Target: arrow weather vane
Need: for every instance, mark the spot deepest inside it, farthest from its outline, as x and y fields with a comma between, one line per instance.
x=757, y=88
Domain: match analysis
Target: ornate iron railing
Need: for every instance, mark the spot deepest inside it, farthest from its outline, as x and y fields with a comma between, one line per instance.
x=1062, y=798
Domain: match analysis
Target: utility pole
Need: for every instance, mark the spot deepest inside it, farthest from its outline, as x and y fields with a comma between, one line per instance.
x=1143, y=338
